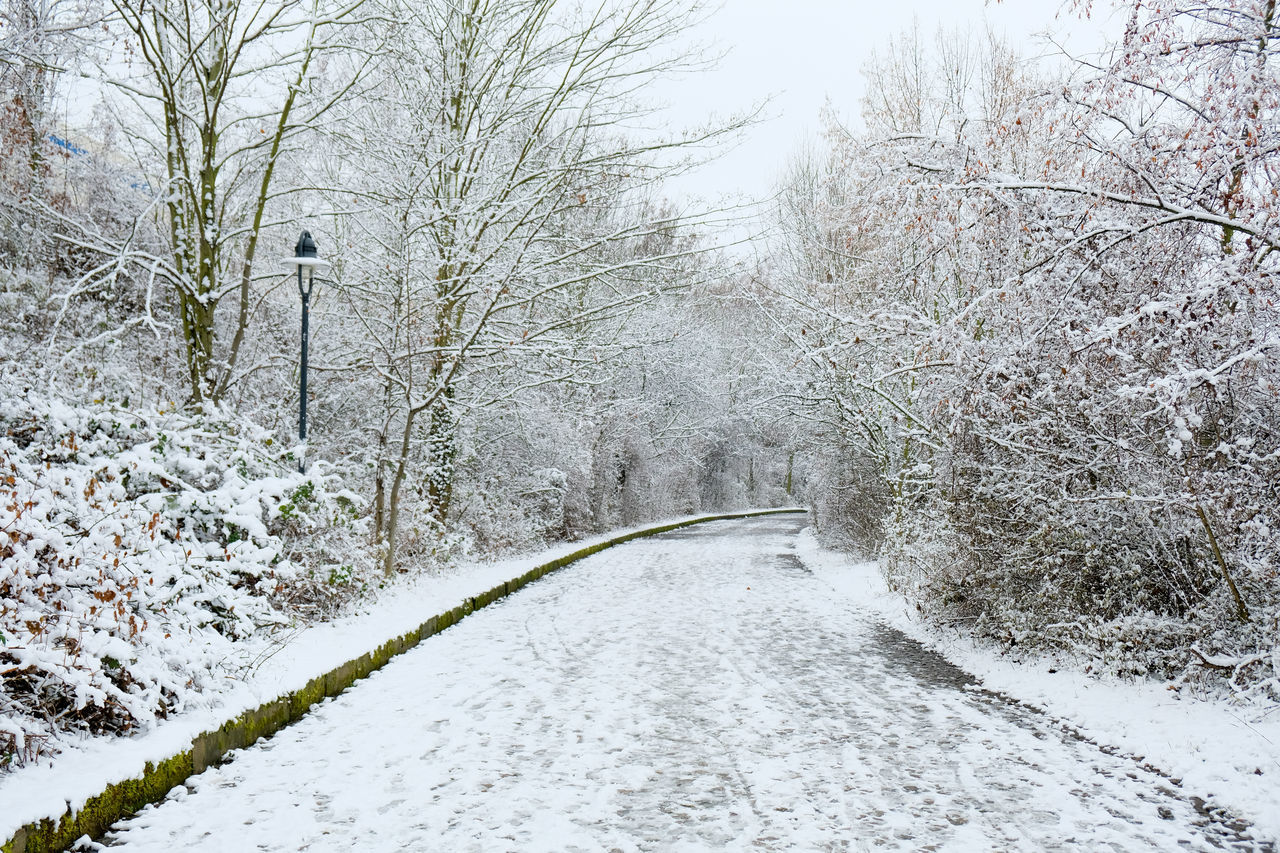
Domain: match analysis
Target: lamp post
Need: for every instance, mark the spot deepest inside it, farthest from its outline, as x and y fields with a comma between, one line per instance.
x=304, y=258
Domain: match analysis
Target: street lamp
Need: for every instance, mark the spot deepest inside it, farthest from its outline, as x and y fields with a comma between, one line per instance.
x=304, y=258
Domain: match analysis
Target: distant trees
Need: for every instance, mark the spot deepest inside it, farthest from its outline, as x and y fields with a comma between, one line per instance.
x=500, y=209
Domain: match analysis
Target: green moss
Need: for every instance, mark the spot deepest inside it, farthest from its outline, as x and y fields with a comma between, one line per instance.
x=339, y=679
x=208, y=748
x=264, y=721
x=118, y=800
x=301, y=700
x=492, y=595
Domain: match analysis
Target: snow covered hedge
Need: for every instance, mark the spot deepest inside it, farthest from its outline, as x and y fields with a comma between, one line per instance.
x=136, y=548
x=1043, y=312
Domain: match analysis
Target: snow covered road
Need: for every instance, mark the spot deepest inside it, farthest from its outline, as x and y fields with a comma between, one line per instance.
x=700, y=690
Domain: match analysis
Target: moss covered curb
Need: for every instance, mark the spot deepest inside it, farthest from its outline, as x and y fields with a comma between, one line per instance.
x=124, y=798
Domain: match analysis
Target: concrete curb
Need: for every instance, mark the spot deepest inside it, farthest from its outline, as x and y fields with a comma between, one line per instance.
x=122, y=799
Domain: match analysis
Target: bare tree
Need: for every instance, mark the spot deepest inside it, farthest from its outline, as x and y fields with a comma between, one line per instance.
x=218, y=94
x=38, y=40
x=503, y=187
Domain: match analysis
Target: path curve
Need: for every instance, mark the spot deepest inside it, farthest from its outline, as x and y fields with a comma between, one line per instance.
x=699, y=690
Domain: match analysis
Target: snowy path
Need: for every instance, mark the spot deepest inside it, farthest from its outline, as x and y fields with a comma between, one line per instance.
x=696, y=691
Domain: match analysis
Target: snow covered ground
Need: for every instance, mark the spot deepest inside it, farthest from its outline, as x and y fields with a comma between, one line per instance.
x=265, y=667
x=723, y=687
x=1216, y=750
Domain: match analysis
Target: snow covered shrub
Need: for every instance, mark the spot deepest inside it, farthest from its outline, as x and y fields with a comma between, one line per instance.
x=490, y=521
x=504, y=514
x=1061, y=340
x=1105, y=488
x=137, y=547
x=849, y=494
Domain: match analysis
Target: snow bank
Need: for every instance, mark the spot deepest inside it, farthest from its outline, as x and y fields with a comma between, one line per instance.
x=136, y=550
x=1226, y=752
x=268, y=667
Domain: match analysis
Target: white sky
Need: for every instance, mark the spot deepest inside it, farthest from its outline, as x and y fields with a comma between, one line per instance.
x=803, y=52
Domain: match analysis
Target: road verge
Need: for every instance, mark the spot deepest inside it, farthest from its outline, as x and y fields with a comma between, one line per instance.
x=121, y=799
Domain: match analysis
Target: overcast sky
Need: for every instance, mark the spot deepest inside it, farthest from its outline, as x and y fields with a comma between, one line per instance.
x=804, y=52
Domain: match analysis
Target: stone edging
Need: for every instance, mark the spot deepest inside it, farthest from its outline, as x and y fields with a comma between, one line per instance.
x=122, y=799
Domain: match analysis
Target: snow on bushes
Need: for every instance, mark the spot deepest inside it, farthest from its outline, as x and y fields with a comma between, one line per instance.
x=136, y=548
x=1044, y=313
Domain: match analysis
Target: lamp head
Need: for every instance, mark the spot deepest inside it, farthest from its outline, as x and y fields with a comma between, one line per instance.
x=304, y=257
x=306, y=247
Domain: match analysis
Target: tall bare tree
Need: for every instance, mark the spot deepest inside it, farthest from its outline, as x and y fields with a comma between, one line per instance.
x=213, y=95
x=504, y=181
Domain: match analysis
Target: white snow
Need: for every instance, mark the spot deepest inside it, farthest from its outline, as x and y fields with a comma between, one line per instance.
x=1219, y=750
x=703, y=690
x=265, y=667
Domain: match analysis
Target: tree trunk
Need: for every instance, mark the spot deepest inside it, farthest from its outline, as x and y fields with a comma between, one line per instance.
x=197, y=331
x=391, y=533
x=442, y=453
